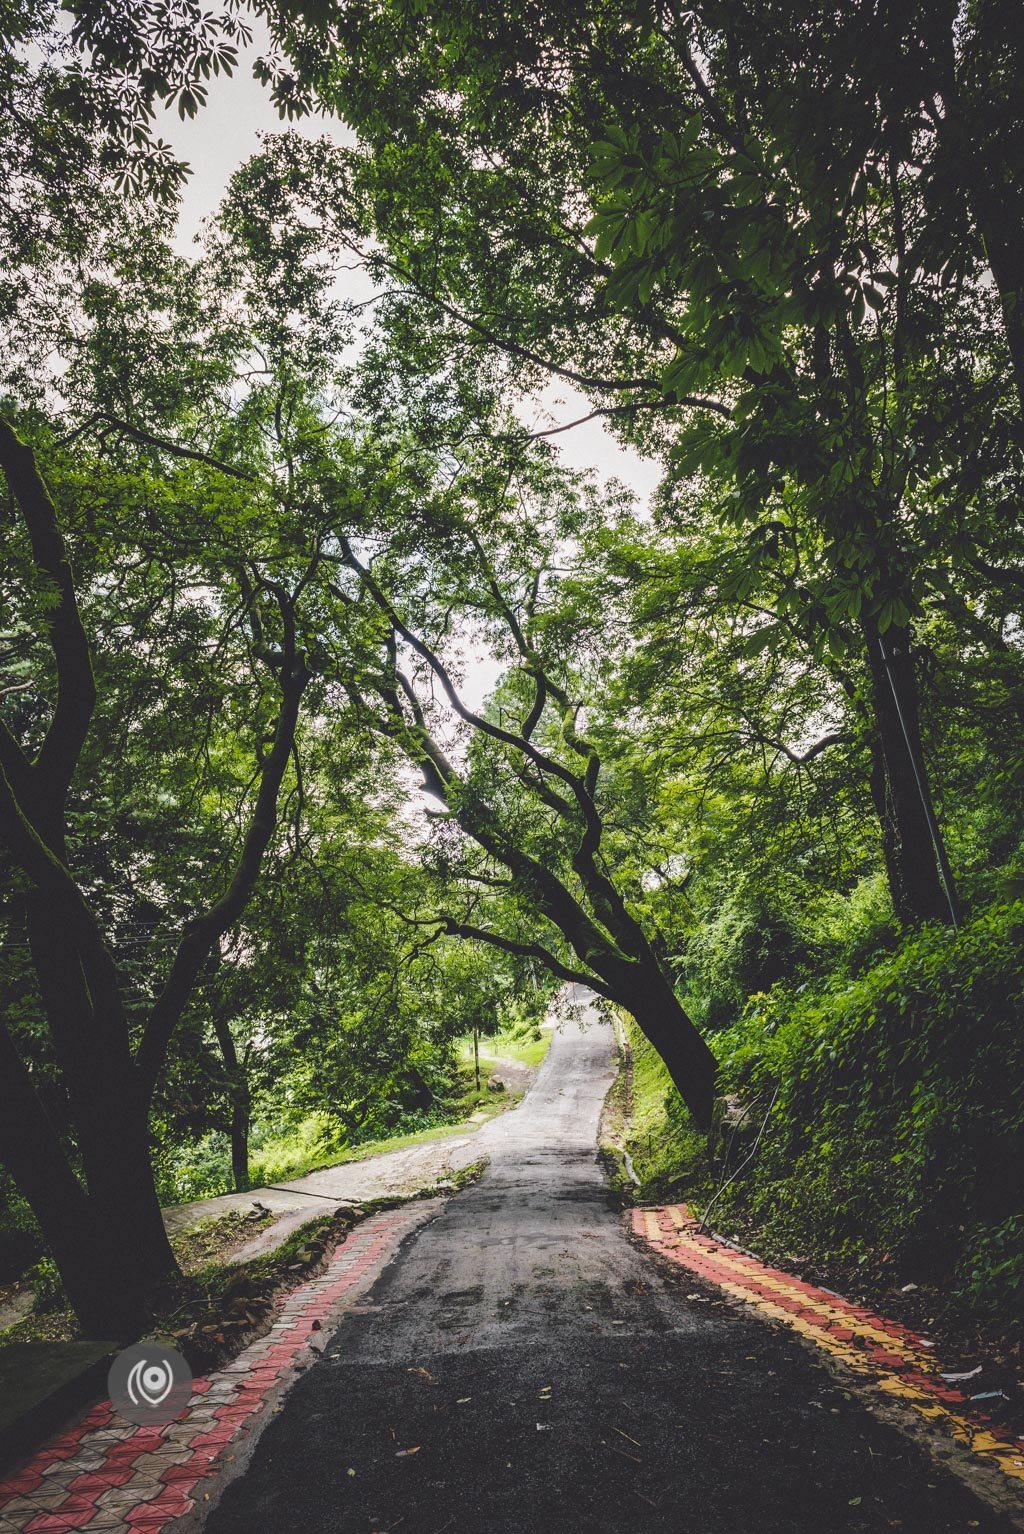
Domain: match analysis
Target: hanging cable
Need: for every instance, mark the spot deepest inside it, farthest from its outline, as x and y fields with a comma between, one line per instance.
x=945, y=873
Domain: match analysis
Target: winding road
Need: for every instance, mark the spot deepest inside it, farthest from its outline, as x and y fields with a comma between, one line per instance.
x=521, y=1366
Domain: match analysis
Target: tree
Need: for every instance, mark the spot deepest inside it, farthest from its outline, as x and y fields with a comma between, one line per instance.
x=109, y=1084
x=746, y=277
x=521, y=832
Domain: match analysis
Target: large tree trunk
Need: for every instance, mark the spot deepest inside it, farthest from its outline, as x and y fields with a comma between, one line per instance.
x=647, y=995
x=110, y=1114
x=1002, y=229
x=109, y=1244
x=911, y=840
x=123, y=1198
x=982, y=133
x=995, y=182
x=239, y=1102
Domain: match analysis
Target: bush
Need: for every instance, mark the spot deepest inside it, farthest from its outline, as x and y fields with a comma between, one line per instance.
x=898, y=1121
x=21, y=1240
x=751, y=942
x=314, y=1139
x=196, y=1169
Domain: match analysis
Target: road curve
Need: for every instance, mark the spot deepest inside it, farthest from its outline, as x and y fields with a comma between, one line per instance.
x=522, y=1367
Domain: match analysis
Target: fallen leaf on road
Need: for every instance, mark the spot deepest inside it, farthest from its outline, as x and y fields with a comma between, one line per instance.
x=403, y=1453
x=462, y=1400
x=350, y=1470
x=424, y=1374
x=856, y=1501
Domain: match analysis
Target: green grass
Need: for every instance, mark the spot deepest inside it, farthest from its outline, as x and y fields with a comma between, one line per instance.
x=655, y=1128
x=494, y=1051
x=467, y=1113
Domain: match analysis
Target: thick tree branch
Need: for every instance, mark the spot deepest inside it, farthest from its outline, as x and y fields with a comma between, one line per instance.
x=76, y=687
x=174, y=449
x=453, y=928
x=205, y=930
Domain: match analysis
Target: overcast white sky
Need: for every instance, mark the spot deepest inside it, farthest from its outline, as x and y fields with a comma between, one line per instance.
x=224, y=134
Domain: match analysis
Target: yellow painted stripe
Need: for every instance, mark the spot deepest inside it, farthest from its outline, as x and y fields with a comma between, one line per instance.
x=652, y=1226
x=1009, y=1459
x=903, y=1349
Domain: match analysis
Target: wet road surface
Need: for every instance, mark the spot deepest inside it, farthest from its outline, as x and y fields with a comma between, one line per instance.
x=522, y=1367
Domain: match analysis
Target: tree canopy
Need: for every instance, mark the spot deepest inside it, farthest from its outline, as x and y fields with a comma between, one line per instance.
x=269, y=844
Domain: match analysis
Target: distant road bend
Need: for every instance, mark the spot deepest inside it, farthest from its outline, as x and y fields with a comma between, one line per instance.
x=522, y=1367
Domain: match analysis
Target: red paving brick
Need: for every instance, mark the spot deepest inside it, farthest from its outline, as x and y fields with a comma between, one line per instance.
x=140, y=1458
x=894, y=1357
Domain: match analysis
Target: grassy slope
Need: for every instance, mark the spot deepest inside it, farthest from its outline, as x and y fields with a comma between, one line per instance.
x=647, y=1119
x=467, y=1112
x=495, y=1052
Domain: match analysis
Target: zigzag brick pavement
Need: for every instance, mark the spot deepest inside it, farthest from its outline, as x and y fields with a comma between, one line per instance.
x=893, y=1357
x=102, y=1474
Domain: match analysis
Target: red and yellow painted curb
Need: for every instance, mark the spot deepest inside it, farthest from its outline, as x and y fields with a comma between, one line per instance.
x=101, y=1473
x=894, y=1358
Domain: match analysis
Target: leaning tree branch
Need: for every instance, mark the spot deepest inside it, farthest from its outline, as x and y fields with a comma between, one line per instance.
x=453, y=928
x=76, y=685
x=166, y=445
x=516, y=742
x=203, y=931
x=54, y=881
x=801, y=758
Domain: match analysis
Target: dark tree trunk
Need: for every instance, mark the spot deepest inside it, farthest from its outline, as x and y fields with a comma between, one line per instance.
x=239, y=1102
x=647, y=995
x=122, y=1194
x=982, y=132
x=996, y=175
x=109, y=1282
x=911, y=841
x=1002, y=236
x=108, y=1237
x=240, y=1145
x=880, y=798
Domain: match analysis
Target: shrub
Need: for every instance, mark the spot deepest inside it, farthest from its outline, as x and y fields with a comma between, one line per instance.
x=316, y=1138
x=898, y=1119
x=753, y=941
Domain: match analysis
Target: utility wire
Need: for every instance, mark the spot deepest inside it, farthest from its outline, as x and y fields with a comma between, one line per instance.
x=938, y=845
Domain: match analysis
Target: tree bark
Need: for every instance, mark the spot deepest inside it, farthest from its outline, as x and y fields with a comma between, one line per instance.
x=909, y=837
x=982, y=133
x=646, y=993
x=107, y=1234
x=109, y=1287
x=239, y=1102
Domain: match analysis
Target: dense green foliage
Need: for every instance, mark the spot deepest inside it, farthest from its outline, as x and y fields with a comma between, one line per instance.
x=876, y=1109
x=746, y=761
x=895, y=1109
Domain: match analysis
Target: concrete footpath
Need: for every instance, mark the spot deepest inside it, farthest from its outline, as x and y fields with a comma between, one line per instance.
x=385, y=1174
x=392, y=1173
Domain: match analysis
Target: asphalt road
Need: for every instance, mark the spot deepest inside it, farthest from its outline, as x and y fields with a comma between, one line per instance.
x=523, y=1367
